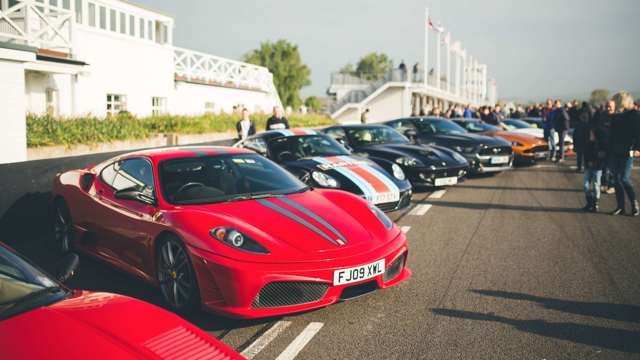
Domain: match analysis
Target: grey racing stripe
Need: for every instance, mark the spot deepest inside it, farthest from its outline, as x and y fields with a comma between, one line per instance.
x=296, y=218
x=312, y=215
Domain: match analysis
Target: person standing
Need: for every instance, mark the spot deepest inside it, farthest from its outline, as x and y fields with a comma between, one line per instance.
x=549, y=129
x=495, y=117
x=467, y=114
x=245, y=126
x=624, y=145
x=594, y=151
x=403, y=70
x=561, y=125
x=416, y=72
x=581, y=132
x=277, y=121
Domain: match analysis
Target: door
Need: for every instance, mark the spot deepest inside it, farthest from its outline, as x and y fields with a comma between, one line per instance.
x=126, y=228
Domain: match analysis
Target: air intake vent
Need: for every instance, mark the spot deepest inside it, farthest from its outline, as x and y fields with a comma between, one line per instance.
x=277, y=294
x=181, y=343
x=394, y=269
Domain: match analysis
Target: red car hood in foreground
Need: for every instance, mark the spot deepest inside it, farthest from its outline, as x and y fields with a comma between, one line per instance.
x=105, y=326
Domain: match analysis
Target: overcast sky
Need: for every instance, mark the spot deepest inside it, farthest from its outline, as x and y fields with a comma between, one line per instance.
x=533, y=48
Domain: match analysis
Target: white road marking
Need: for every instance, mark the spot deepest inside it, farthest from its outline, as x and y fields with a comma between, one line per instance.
x=301, y=341
x=437, y=194
x=420, y=209
x=264, y=340
x=405, y=229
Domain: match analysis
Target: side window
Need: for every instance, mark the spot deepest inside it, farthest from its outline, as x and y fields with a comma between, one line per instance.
x=337, y=134
x=395, y=124
x=129, y=173
x=256, y=144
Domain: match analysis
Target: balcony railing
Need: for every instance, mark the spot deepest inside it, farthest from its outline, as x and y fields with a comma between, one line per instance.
x=37, y=24
x=208, y=69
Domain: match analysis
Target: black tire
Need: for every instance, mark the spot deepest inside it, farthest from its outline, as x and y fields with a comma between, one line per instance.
x=62, y=227
x=176, y=277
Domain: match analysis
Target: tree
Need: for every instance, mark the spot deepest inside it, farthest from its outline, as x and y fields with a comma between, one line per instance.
x=313, y=103
x=282, y=58
x=347, y=70
x=599, y=97
x=374, y=66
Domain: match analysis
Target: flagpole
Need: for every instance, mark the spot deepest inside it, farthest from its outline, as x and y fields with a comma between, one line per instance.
x=426, y=49
x=438, y=46
x=448, y=47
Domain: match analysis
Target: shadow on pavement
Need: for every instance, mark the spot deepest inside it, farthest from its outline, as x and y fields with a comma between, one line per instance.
x=515, y=188
x=598, y=336
x=620, y=312
x=485, y=206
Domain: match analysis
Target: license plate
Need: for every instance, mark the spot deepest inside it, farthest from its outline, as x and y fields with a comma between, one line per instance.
x=541, y=154
x=358, y=273
x=385, y=197
x=499, y=159
x=446, y=181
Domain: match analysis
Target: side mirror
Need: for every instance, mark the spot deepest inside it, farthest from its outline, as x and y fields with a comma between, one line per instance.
x=86, y=180
x=411, y=133
x=135, y=195
x=68, y=267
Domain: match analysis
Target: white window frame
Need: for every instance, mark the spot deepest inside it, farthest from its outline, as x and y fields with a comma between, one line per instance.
x=158, y=105
x=116, y=103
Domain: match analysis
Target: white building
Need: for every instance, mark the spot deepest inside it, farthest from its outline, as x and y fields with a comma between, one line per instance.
x=99, y=57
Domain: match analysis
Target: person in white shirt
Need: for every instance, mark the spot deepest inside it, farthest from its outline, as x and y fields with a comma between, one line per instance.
x=245, y=126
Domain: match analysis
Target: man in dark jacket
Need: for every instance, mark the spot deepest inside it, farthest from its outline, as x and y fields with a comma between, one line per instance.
x=561, y=125
x=581, y=132
x=624, y=145
x=495, y=117
x=594, y=152
x=277, y=121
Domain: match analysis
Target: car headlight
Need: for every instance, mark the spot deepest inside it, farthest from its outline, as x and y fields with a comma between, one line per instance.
x=324, y=180
x=384, y=219
x=409, y=161
x=464, y=149
x=516, y=144
x=237, y=240
x=459, y=158
x=397, y=172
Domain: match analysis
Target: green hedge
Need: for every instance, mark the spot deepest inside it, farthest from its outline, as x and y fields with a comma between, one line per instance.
x=46, y=130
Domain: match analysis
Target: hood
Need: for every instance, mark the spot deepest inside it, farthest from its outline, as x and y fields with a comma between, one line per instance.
x=100, y=326
x=427, y=154
x=525, y=139
x=469, y=139
x=539, y=133
x=357, y=175
x=313, y=225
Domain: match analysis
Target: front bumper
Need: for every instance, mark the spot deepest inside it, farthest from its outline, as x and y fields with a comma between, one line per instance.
x=427, y=176
x=482, y=164
x=231, y=288
x=405, y=201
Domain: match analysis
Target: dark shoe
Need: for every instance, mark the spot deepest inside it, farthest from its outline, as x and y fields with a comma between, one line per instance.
x=617, y=212
x=587, y=208
x=595, y=208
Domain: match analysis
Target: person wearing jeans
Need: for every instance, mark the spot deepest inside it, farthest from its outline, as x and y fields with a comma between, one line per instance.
x=594, y=151
x=549, y=131
x=624, y=144
x=561, y=124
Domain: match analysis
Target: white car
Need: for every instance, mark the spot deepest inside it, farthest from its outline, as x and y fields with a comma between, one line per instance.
x=524, y=127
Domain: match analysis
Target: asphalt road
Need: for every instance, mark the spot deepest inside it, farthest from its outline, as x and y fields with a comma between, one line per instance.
x=504, y=267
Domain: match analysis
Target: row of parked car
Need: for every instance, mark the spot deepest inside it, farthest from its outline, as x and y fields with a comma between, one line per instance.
x=229, y=230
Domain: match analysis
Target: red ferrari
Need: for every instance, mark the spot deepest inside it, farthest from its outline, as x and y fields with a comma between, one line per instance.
x=228, y=230
x=42, y=319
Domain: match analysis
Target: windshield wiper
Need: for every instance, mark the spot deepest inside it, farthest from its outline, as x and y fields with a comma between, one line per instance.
x=31, y=296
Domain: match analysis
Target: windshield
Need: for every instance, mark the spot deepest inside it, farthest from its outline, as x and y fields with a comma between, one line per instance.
x=517, y=124
x=479, y=126
x=431, y=126
x=221, y=178
x=22, y=286
x=306, y=146
x=363, y=136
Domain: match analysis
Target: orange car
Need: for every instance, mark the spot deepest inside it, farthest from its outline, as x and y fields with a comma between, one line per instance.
x=527, y=148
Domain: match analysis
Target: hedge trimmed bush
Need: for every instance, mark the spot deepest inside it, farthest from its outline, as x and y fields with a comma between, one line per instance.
x=47, y=130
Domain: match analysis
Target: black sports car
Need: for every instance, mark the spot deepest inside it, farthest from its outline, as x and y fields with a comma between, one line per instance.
x=320, y=161
x=424, y=165
x=485, y=154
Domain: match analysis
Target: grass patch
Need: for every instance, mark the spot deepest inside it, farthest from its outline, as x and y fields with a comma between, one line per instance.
x=47, y=130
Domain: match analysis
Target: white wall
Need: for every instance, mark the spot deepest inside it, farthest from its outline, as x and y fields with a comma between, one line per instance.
x=120, y=64
x=190, y=99
x=387, y=105
x=13, y=137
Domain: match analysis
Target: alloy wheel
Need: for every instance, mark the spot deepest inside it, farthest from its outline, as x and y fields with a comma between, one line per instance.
x=175, y=275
